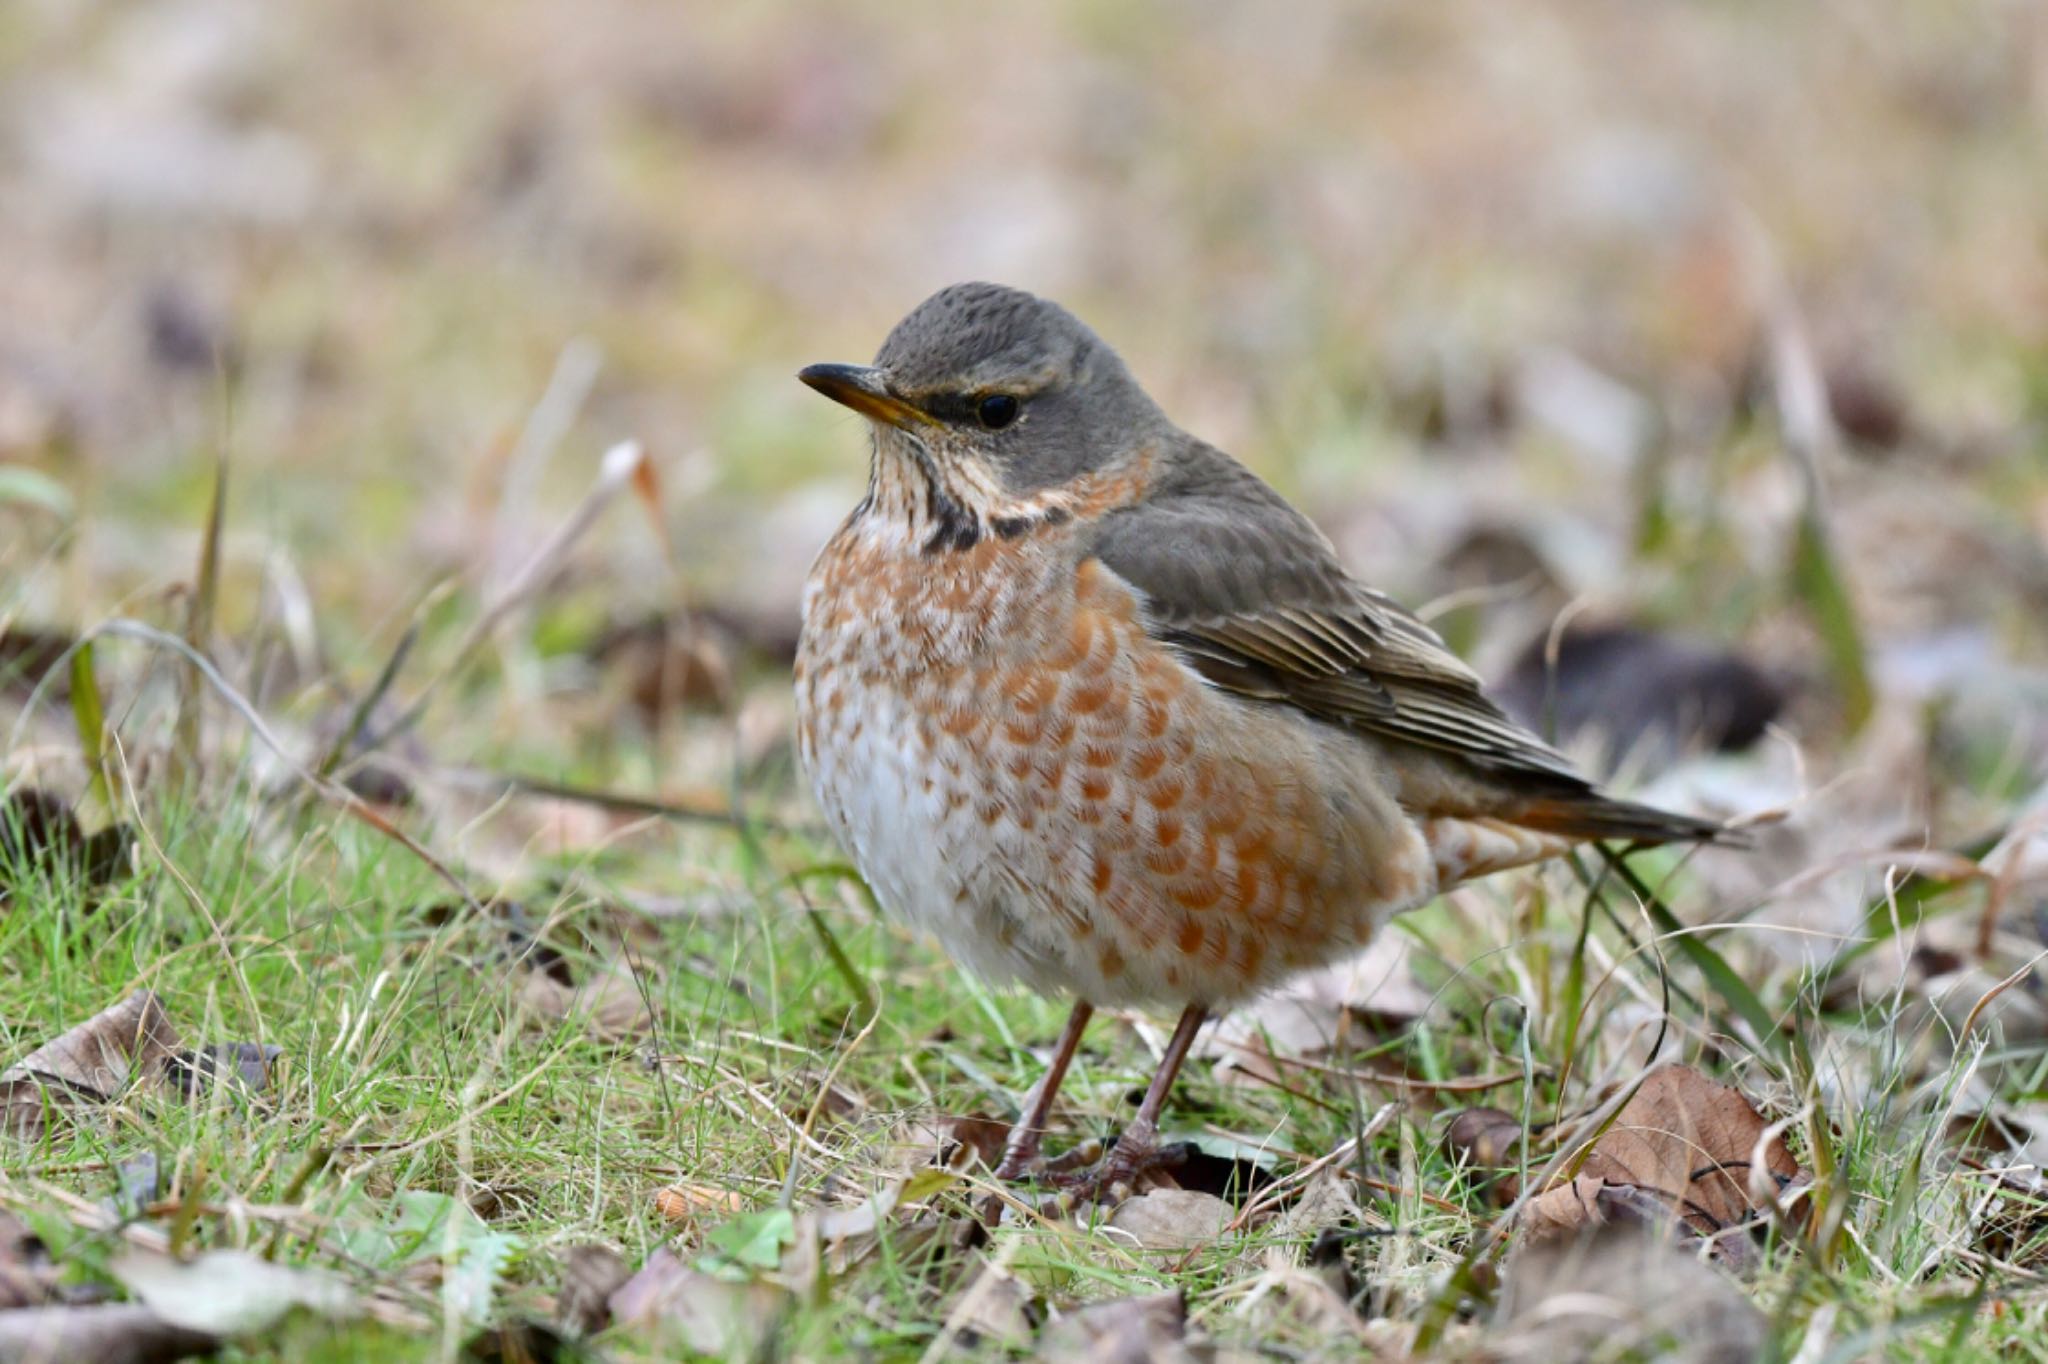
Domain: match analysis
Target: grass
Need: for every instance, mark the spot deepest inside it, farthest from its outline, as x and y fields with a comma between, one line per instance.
x=411, y=1070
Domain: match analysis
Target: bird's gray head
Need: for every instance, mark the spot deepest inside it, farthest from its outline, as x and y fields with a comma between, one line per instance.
x=992, y=383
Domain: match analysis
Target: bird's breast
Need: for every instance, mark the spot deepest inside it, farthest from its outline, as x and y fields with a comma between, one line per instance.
x=1017, y=766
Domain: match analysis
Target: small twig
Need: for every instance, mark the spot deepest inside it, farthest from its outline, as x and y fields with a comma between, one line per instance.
x=498, y=784
x=1470, y=1085
x=621, y=463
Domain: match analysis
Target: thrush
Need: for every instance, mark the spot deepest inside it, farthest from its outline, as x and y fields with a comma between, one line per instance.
x=1092, y=704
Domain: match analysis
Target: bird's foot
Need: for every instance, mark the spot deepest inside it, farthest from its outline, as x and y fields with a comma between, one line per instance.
x=1134, y=1164
x=1084, y=1174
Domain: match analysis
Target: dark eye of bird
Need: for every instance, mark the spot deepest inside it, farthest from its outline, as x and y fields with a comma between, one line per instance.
x=997, y=411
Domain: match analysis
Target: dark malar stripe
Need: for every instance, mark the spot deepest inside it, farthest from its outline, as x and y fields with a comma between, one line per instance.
x=957, y=527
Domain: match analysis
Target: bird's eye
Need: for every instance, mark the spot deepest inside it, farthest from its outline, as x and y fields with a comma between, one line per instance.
x=997, y=411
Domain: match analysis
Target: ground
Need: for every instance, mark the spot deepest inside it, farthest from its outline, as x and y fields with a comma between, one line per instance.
x=1718, y=329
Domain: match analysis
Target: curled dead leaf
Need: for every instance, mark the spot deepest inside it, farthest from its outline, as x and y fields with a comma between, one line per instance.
x=1646, y=696
x=28, y=1276
x=994, y=1307
x=610, y=1001
x=90, y=1063
x=1685, y=1153
x=247, y=1064
x=1488, y=1139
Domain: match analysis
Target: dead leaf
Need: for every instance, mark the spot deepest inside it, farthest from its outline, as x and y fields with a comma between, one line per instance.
x=140, y=1180
x=994, y=1307
x=1487, y=1140
x=30, y=657
x=91, y=1063
x=671, y=663
x=1172, y=1219
x=979, y=1133
x=109, y=1333
x=591, y=1274
x=1622, y=1295
x=1648, y=697
x=563, y=971
x=1147, y=1330
x=1678, y=1155
x=702, y=1312
x=41, y=837
x=610, y=1002
x=228, y=1292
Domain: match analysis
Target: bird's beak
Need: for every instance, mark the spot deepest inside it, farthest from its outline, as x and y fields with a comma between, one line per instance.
x=861, y=388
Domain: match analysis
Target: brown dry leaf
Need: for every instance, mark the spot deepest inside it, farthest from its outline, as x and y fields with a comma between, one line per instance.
x=91, y=1063
x=670, y=664
x=1620, y=1295
x=1488, y=1139
x=516, y=1342
x=1680, y=1151
x=1150, y=1329
x=591, y=1274
x=1647, y=697
x=1172, y=1219
x=701, y=1312
x=29, y=658
x=994, y=1307
x=247, y=1064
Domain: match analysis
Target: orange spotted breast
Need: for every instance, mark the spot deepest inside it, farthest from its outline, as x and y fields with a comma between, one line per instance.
x=1020, y=769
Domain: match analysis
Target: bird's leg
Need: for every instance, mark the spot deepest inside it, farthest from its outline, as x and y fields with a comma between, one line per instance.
x=1020, y=1152
x=1137, y=1150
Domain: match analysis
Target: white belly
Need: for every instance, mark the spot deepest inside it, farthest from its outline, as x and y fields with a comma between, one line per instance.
x=907, y=816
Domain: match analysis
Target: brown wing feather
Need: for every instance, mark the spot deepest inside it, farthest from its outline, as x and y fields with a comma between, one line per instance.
x=1253, y=596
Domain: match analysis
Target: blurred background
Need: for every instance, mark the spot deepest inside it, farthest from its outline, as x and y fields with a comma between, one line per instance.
x=1720, y=329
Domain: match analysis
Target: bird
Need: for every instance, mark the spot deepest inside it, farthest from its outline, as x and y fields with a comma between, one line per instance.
x=1089, y=702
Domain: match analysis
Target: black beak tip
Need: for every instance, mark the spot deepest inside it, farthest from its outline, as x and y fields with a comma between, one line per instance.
x=833, y=379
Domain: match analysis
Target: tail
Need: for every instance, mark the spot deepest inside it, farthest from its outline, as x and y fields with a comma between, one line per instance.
x=1593, y=817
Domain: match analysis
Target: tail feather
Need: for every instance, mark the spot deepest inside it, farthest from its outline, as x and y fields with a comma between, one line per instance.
x=1596, y=817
